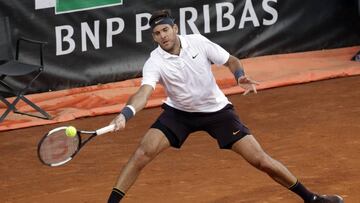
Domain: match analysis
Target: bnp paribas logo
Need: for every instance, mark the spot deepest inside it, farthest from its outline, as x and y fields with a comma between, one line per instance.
x=68, y=6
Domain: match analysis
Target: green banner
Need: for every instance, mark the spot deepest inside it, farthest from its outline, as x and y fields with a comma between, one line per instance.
x=65, y=6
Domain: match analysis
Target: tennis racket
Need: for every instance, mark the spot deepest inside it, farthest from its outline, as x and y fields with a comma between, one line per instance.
x=56, y=148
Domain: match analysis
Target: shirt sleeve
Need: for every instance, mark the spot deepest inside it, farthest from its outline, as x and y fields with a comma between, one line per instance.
x=214, y=52
x=150, y=74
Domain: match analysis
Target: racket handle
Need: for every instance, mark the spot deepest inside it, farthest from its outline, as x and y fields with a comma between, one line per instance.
x=105, y=129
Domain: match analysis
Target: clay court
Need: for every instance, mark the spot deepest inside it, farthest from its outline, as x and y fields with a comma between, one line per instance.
x=312, y=128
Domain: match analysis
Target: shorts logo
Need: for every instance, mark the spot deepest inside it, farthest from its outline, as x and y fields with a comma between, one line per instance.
x=69, y=6
x=236, y=132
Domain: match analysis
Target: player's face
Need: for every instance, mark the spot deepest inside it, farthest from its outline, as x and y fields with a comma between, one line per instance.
x=166, y=36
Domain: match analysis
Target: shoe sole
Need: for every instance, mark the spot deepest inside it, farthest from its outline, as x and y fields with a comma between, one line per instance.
x=341, y=200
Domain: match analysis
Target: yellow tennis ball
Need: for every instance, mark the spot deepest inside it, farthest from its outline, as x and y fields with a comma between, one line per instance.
x=70, y=131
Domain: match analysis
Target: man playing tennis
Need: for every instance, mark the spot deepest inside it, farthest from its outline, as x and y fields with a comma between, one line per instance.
x=182, y=64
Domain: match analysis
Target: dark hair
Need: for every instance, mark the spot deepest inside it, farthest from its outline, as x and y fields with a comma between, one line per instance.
x=159, y=14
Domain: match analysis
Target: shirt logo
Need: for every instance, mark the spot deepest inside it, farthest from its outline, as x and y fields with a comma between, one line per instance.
x=195, y=56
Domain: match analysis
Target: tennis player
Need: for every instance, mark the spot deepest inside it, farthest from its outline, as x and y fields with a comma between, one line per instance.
x=182, y=64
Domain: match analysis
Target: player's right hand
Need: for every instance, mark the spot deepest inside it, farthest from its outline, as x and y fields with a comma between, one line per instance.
x=119, y=122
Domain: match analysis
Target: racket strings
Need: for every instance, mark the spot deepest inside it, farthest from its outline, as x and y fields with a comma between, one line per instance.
x=57, y=147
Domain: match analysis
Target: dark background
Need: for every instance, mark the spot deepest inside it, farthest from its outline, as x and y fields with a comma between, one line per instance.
x=302, y=25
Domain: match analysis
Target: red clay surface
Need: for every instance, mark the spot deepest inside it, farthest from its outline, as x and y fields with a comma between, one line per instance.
x=312, y=128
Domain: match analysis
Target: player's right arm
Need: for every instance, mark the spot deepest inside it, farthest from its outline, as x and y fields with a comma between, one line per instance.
x=137, y=101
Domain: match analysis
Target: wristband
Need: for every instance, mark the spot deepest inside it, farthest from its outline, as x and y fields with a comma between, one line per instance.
x=128, y=111
x=238, y=73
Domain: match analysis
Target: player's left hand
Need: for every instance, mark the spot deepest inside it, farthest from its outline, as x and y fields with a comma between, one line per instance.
x=247, y=84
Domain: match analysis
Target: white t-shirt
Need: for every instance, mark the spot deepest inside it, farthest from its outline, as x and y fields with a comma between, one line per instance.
x=187, y=78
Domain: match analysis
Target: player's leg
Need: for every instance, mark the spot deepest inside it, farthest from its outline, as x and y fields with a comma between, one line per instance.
x=226, y=127
x=170, y=129
x=151, y=145
x=252, y=152
x=231, y=133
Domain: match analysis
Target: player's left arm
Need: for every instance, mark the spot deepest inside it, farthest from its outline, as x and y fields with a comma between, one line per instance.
x=242, y=79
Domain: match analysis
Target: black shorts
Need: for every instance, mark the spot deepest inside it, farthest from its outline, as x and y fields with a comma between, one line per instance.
x=223, y=125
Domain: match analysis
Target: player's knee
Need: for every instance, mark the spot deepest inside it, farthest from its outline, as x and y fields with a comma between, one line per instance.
x=263, y=162
x=142, y=156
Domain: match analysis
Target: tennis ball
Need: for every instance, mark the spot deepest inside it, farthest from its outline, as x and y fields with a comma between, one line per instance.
x=70, y=131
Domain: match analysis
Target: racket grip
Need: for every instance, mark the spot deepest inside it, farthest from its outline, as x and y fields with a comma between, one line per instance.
x=105, y=129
